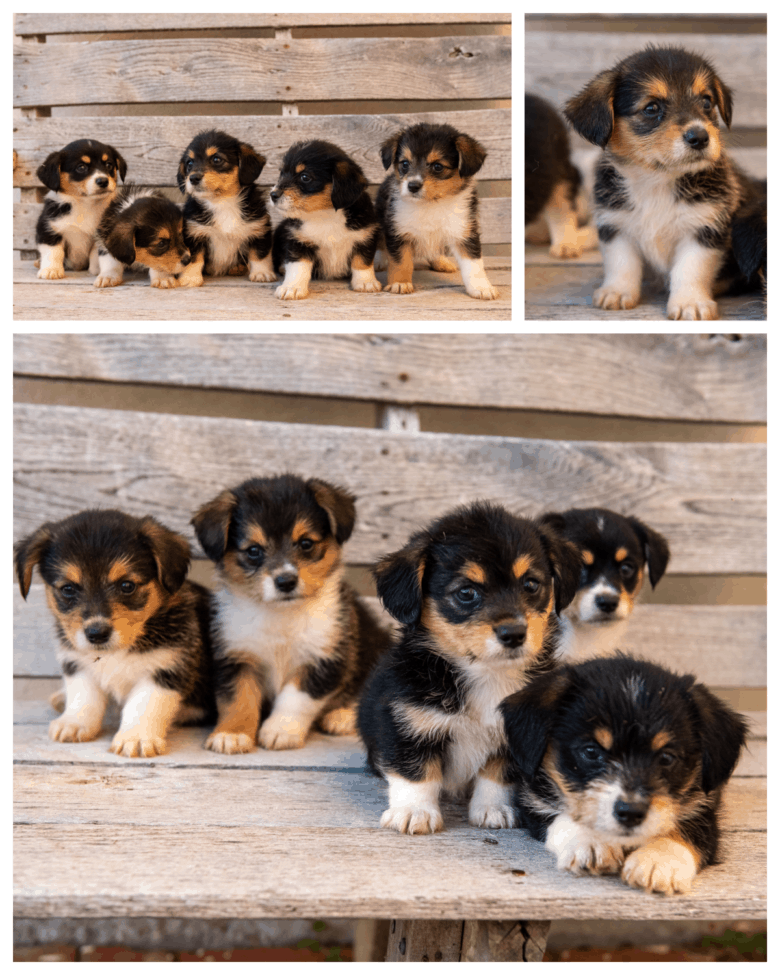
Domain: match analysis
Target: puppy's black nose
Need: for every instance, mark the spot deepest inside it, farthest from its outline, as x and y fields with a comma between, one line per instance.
x=630, y=813
x=98, y=632
x=511, y=635
x=102, y=182
x=286, y=581
x=414, y=186
x=186, y=257
x=697, y=137
x=274, y=194
x=607, y=604
x=195, y=178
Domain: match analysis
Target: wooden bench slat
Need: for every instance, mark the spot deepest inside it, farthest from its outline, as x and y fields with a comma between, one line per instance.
x=254, y=69
x=152, y=145
x=740, y=59
x=693, y=639
x=709, y=499
x=614, y=374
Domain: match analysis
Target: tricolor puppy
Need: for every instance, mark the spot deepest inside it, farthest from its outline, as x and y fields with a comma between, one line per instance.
x=665, y=190
x=427, y=206
x=325, y=224
x=130, y=627
x=141, y=227
x=292, y=643
x=623, y=764
x=82, y=180
x=478, y=594
x=226, y=222
x=615, y=552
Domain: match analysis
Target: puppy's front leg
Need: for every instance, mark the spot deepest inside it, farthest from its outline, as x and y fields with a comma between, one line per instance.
x=85, y=705
x=111, y=271
x=400, y=266
x=292, y=716
x=192, y=275
x=146, y=718
x=692, y=281
x=581, y=850
x=161, y=279
x=261, y=268
x=363, y=277
x=491, y=802
x=622, y=272
x=414, y=806
x=238, y=701
x=472, y=270
x=52, y=260
x=297, y=275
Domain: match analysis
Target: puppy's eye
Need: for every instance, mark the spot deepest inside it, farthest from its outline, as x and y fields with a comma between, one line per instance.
x=305, y=544
x=667, y=759
x=531, y=585
x=81, y=168
x=69, y=590
x=653, y=110
x=583, y=575
x=161, y=246
x=189, y=164
x=437, y=167
x=305, y=178
x=404, y=165
x=255, y=554
x=468, y=596
x=591, y=753
x=127, y=588
x=707, y=102
x=627, y=570
x=217, y=160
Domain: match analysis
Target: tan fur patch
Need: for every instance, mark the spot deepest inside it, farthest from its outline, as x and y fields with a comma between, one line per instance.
x=521, y=565
x=473, y=572
x=587, y=557
x=604, y=737
x=169, y=262
x=420, y=720
x=494, y=769
x=437, y=189
x=656, y=88
x=190, y=153
x=456, y=639
x=302, y=529
x=701, y=83
x=621, y=554
x=401, y=272
x=86, y=159
x=221, y=184
x=300, y=167
x=130, y=624
x=212, y=151
x=105, y=157
x=256, y=536
x=660, y=740
x=537, y=624
x=550, y=766
x=119, y=570
x=71, y=572
x=241, y=714
x=313, y=574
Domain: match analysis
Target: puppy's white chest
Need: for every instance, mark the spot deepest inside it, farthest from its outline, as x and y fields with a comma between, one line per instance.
x=327, y=231
x=226, y=233
x=433, y=225
x=80, y=224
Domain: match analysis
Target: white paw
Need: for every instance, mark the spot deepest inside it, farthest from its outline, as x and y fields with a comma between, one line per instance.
x=134, y=744
x=280, y=732
x=339, y=721
x=413, y=819
x=169, y=282
x=291, y=292
x=483, y=290
x=580, y=850
x=106, y=281
x=228, y=743
x=66, y=729
x=701, y=310
x=262, y=276
x=400, y=288
x=492, y=817
x=368, y=286
x=663, y=865
x=51, y=273
x=613, y=300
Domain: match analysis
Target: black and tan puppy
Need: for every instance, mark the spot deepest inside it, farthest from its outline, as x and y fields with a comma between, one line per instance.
x=478, y=594
x=325, y=224
x=130, y=626
x=615, y=551
x=292, y=643
x=665, y=191
x=623, y=764
x=82, y=180
x=427, y=206
x=226, y=223
x=141, y=227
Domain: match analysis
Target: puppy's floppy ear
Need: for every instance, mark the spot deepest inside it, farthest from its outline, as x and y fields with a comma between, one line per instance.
x=388, y=150
x=592, y=112
x=724, y=98
x=181, y=172
x=471, y=153
x=399, y=579
x=528, y=718
x=250, y=164
x=212, y=524
x=339, y=506
x=348, y=183
x=120, y=242
x=28, y=553
x=49, y=171
x=566, y=565
x=554, y=520
x=655, y=548
x=171, y=552
x=121, y=165
x=722, y=733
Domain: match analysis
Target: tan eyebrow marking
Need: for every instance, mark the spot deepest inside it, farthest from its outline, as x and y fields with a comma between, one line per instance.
x=621, y=554
x=587, y=557
x=474, y=572
x=521, y=565
x=86, y=159
x=604, y=737
x=660, y=740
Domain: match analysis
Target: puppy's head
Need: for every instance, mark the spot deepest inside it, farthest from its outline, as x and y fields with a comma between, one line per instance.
x=657, y=108
x=277, y=539
x=628, y=748
x=316, y=175
x=481, y=583
x=216, y=166
x=106, y=574
x=432, y=161
x=149, y=230
x=615, y=551
x=83, y=168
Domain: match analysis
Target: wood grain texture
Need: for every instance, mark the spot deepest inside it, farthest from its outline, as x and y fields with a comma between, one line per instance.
x=523, y=941
x=740, y=59
x=708, y=499
x=722, y=645
x=152, y=145
x=681, y=377
x=268, y=69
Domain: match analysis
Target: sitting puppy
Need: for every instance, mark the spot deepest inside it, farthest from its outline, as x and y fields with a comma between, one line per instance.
x=665, y=190
x=427, y=205
x=623, y=765
x=748, y=240
x=290, y=636
x=328, y=226
x=478, y=594
x=614, y=551
x=82, y=180
x=141, y=227
x=130, y=627
x=227, y=228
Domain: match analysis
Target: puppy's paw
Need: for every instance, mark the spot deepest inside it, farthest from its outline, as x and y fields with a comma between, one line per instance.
x=281, y=732
x=663, y=865
x=105, y=281
x=482, y=289
x=580, y=850
x=229, y=743
x=400, y=288
x=612, y=299
x=443, y=264
x=66, y=729
x=492, y=816
x=166, y=282
x=370, y=285
x=339, y=721
x=262, y=275
x=413, y=819
x=237, y=270
x=291, y=292
x=133, y=743
x=566, y=248
x=693, y=310
x=51, y=273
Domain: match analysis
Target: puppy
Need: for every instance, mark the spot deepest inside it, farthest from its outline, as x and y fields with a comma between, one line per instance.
x=427, y=206
x=622, y=766
x=478, y=594
x=130, y=627
x=292, y=643
x=552, y=180
x=665, y=190
x=82, y=180
x=141, y=226
x=328, y=226
x=615, y=551
x=227, y=228
x=748, y=240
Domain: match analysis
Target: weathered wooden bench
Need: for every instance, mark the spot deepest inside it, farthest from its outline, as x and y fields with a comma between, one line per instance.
x=581, y=45
x=295, y=834
x=155, y=82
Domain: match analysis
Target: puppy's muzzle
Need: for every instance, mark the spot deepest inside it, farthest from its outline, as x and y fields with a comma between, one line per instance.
x=607, y=603
x=98, y=631
x=285, y=582
x=275, y=195
x=696, y=137
x=102, y=182
x=630, y=814
x=414, y=186
x=511, y=635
